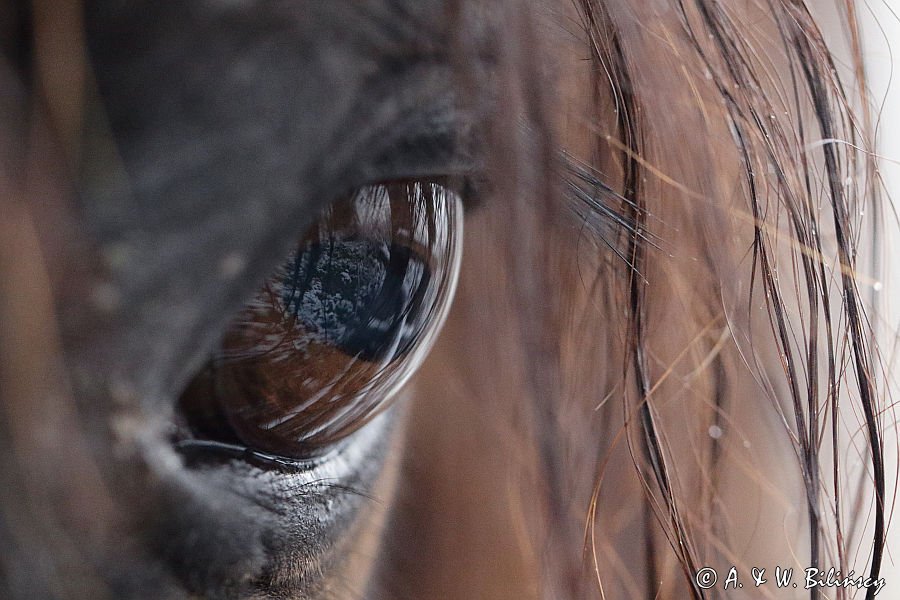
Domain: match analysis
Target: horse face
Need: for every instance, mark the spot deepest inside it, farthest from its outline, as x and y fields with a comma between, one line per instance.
x=214, y=135
x=231, y=230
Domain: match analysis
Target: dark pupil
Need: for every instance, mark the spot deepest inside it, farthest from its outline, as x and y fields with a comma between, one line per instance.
x=359, y=295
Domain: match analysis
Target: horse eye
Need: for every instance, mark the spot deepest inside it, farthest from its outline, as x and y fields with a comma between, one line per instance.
x=338, y=327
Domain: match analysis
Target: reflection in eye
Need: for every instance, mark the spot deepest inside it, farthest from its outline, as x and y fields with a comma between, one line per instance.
x=338, y=327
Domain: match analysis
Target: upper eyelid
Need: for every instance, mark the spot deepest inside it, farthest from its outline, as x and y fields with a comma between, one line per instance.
x=182, y=249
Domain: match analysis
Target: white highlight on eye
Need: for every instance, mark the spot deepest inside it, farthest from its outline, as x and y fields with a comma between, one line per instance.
x=387, y=388
x=426, y=342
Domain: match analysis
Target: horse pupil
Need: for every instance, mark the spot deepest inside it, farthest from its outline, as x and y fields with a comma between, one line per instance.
x=359, y=295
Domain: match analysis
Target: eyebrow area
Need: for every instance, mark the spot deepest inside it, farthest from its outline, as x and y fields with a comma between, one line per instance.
x=233, y=124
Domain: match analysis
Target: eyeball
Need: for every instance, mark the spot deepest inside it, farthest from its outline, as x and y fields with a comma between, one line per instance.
x=338, y=328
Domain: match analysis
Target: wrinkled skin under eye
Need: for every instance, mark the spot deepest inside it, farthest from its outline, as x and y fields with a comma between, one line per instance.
x=337, y=329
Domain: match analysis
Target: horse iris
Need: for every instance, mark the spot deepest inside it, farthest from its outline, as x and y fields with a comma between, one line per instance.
x=339, y=326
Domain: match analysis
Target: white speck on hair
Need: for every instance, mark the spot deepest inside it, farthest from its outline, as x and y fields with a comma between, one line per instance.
x=877, y=286
x=232, y=265
x=715, y=432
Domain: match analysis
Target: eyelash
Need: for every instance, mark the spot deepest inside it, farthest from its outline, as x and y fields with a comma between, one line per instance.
x=334, y=333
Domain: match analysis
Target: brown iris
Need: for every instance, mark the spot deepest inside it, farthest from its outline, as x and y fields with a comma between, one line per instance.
x=337, y=328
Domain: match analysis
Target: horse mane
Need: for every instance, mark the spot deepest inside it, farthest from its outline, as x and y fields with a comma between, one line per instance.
x=686, y=257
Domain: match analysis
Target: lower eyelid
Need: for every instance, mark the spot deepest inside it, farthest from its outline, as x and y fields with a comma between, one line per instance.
x=339, y=462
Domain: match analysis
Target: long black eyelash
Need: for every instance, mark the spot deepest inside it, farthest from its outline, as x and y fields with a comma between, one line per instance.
x=602, y=208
